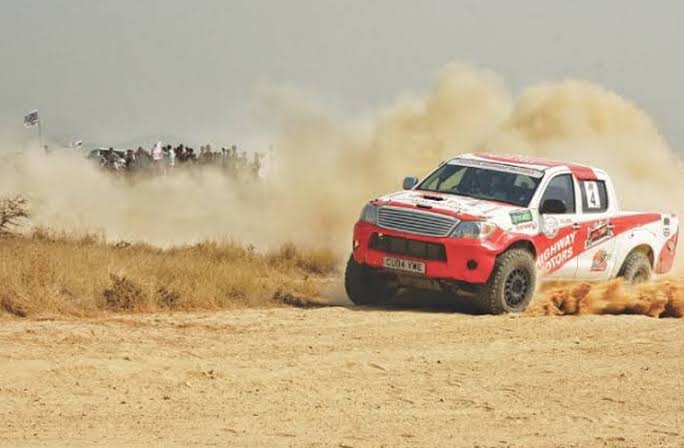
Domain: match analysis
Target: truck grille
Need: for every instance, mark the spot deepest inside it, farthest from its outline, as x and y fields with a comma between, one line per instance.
x=411, y=221
x=404, y=246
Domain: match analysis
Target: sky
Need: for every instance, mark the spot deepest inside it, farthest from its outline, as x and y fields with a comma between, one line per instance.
x=113, y=71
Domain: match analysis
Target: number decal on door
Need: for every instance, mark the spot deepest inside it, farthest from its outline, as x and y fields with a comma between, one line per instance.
x=593, y=197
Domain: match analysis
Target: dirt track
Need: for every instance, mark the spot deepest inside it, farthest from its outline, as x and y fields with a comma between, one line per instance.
x=343, y=377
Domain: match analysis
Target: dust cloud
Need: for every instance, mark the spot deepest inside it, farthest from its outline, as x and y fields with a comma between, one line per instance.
x=324, y=167
x=661, y=298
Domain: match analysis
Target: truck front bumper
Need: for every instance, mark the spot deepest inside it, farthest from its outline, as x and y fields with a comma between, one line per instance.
x=463, y=260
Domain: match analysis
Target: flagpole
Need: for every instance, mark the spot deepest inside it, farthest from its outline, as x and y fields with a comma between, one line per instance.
x=40, y=131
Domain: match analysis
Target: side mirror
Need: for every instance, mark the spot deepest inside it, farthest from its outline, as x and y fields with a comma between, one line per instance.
x=410, y=182
x=553, y=207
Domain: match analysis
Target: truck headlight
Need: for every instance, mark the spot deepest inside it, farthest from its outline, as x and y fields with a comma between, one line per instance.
x=473, y=230
x=369, y=214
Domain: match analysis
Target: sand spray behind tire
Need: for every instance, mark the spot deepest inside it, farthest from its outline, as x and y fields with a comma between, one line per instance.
x=661, y=298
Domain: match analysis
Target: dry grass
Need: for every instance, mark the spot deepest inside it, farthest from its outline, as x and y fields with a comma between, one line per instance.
x=56, y=274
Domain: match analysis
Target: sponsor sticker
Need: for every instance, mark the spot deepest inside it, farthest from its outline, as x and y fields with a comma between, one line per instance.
x=527, y=226
x=550, y=226
x=521, y=217
x=599, y=263
x=599, y=232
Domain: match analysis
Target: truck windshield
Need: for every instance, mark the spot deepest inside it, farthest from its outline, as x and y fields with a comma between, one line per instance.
x=507, y=185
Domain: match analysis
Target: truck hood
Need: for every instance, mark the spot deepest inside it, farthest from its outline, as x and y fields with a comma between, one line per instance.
x=460, y=206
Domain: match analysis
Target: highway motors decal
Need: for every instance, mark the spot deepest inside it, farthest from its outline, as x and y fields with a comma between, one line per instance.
x=558, y=253
x=559, y=244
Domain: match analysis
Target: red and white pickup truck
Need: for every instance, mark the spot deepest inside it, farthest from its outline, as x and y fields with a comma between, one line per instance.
x=489, y=226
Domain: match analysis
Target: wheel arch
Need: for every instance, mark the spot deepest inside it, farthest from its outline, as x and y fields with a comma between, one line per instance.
x=524, y=244
x=643, y=248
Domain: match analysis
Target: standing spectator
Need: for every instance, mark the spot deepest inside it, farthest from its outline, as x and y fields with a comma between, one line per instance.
x=256, y=165
x=190, y=157
x=172, y=158
x=180, y=153
x=130, y=160
x=157, y=156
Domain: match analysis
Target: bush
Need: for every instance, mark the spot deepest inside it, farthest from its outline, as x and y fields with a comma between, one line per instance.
x=167, y=298
x=12, y=212
x=10, y=305
x=124, y=295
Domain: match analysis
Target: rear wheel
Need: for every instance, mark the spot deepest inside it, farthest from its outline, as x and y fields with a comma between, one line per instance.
x=365, y=286
x=637, y=268
x=511, y=284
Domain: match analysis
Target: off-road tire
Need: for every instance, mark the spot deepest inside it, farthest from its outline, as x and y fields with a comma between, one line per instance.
x=365, y=286
x=636, y=268
x=511, y=284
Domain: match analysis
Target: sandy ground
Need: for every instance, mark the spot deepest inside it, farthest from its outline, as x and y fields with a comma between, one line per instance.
x=342, y=377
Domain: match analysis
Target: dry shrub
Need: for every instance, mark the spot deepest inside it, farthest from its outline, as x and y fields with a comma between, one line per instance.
x=124, y=295
x=168, y=299
x=12, y=212
x=51, y=273
x=9, y=304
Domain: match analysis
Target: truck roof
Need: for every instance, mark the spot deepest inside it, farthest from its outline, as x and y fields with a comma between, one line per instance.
x=581, y=172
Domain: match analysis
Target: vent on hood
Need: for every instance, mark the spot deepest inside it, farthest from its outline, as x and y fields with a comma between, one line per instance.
x=432, y=197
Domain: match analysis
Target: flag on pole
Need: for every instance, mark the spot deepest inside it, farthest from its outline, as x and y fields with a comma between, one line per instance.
x=31, y=119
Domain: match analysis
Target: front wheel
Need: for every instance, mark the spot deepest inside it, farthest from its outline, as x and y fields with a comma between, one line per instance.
x=364, y=286
x=511, y=284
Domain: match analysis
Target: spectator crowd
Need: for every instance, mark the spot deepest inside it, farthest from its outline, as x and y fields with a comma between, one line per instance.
x=165, y=159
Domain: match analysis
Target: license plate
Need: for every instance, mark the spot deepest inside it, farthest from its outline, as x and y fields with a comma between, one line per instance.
x=404, y=265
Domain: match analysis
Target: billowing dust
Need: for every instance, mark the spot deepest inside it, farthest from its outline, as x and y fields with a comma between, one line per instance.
x=324, y=168
x=661, y=298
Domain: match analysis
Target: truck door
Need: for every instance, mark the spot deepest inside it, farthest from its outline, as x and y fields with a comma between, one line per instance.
x=597, y=257
x=557, y=244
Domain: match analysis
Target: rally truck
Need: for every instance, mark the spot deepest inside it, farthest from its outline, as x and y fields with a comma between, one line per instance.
x=489, y=227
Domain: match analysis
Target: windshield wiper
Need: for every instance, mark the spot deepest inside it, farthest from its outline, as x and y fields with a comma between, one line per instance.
x=481, y=198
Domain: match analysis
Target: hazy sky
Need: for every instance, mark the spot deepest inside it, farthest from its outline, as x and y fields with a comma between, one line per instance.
x=123, y=69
